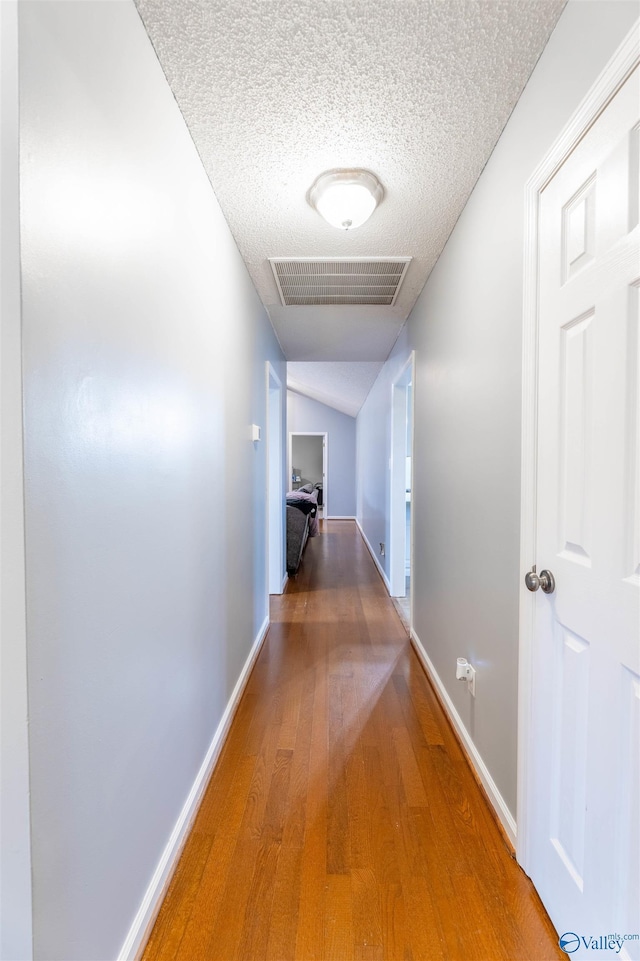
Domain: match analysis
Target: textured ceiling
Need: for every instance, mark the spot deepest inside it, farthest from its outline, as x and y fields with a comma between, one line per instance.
x=277, y=91
x=343, y=385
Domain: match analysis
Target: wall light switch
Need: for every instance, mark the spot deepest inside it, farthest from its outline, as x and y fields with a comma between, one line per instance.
x=255, y=432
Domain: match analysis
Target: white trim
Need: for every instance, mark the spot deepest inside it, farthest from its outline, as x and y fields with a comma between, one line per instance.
x=375, y=559
x=611, y=79
x=412, y=522
x=284, y=582
x=140, y=930
x=340, y=517
x=621, y=65
x=497, y=801
x=272, y=377
x=397, y=485
x=16, y=924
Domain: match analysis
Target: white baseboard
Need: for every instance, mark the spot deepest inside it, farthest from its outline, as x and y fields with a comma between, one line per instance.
x=375, y=559
x=504, y=814
x=339, y=517
x=143, y=922
x=284, y=582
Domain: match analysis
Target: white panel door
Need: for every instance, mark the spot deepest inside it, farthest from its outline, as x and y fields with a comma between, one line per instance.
x=585, y=847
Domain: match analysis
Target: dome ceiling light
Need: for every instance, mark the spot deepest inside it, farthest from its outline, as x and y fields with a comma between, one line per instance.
x=346, y=198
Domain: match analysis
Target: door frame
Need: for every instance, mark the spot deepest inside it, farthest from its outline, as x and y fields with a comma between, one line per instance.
x=325, y=463
x=609, y=82
x=275, y=567
x=400, y=449
x=16, y=906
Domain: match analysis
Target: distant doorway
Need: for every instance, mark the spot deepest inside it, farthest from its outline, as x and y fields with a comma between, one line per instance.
x=400, y=559
x=308, y=464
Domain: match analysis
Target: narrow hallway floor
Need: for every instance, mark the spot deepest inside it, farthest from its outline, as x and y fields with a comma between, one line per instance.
x=342, y=822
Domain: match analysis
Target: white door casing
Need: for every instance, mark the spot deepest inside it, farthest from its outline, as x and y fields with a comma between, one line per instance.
x=401, y=448
x=276, y=575
x=579, y=745
x=16, y=924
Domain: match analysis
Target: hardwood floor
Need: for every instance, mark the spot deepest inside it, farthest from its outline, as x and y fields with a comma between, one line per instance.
x=342, y=822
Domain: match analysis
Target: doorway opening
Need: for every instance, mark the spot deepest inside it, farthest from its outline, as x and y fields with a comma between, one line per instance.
x=400, y=558
x=308, y=465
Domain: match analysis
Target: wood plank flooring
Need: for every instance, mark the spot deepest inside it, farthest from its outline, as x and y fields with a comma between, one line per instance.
x=342, y=822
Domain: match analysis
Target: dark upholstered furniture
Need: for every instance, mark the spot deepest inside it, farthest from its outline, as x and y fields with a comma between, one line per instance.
x=297, y=533
x=302, y=507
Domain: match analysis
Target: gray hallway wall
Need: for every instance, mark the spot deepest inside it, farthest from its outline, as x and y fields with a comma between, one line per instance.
x=466, y=331
x=144, y=364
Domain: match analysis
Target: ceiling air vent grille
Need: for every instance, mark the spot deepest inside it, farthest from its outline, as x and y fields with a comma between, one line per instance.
x=328, y=282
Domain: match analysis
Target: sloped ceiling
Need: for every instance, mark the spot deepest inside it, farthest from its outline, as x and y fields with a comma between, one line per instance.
x=340, y=384
x=277, y=91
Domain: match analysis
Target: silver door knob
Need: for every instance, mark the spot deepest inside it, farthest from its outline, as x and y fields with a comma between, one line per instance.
x=544, y=580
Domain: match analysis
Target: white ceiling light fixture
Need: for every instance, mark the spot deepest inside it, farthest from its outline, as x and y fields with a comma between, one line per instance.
x=346, y=198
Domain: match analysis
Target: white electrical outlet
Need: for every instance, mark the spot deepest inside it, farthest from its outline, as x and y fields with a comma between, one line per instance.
x=471, y=680
x=465, y=672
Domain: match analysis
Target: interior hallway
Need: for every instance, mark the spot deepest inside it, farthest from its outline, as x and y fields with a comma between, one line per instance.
x=342, y=821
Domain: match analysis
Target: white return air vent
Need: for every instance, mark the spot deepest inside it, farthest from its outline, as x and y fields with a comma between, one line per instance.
x=330, y=281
